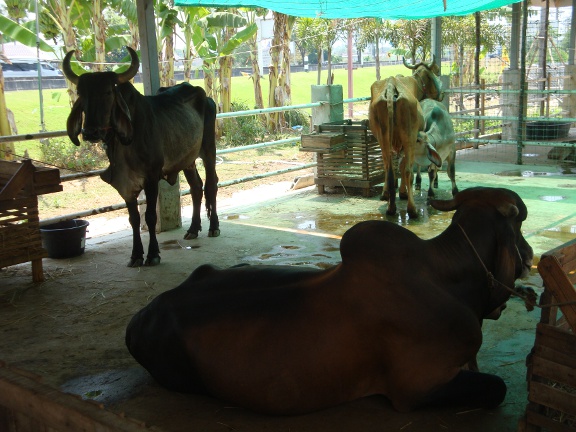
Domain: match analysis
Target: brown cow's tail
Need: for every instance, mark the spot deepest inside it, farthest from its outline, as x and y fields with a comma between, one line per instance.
x=390, y=94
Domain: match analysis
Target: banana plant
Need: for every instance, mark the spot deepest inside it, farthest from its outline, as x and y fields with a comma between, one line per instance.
x=188, y=17
x=251, y=14
x=212, y=41
x=20, y=33
x=168, y=20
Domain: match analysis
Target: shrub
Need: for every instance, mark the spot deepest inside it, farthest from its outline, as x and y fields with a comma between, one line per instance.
x=297, y=118
x=239, y=131
x=65, y=155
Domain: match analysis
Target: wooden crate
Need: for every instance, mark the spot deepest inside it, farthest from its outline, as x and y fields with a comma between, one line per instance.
x=552, y=362
x=20, y=240
x=27, y=405
x=356, y=165
x=323, y=142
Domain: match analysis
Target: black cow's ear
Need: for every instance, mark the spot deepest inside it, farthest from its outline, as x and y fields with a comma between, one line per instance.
x=74, y=122
x=121, y=120
x=507, y=210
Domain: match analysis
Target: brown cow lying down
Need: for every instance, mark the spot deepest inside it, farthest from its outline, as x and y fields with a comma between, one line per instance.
x=290, y=340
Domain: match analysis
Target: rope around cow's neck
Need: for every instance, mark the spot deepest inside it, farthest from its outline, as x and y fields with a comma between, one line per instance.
x=528, y=301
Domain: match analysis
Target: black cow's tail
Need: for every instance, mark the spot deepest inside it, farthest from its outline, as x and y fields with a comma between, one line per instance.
x=209, y=155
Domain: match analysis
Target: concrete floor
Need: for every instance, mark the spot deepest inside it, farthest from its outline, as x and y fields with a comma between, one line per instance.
x=299, y=228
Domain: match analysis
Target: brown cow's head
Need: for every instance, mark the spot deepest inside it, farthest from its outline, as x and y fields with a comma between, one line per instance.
x=100, y=109
x=505, y=211
x=427, y=77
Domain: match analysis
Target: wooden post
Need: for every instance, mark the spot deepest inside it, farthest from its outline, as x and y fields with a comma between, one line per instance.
x=168, y=196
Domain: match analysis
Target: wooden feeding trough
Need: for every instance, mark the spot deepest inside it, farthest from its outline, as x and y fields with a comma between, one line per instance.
x=27, y=405
x=20, y=240
x=348, y=155
x=552, y=362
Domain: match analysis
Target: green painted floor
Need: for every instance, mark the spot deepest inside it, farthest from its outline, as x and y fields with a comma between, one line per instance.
x=70, y=328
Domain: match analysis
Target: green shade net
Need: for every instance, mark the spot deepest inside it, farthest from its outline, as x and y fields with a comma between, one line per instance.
x=388, y=9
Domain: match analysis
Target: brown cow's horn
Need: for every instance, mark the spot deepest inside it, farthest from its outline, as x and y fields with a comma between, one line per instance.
x=68, y=72
x=128, y=74
x=407, y=65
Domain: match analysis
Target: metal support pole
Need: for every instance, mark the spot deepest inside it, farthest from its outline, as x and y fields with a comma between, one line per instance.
x=437, y=40
x=521, y=97
x=148, y=46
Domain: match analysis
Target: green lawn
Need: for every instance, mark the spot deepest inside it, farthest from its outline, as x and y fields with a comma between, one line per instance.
x=26, y=104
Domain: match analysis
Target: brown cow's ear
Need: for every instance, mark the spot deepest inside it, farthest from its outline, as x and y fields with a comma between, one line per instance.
x=121, y=120
x=74, y=122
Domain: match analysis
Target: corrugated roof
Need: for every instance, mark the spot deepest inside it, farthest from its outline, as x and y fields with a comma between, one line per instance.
x=388, y=9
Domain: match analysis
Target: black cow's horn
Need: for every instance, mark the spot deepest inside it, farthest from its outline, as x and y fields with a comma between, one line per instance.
x=408, y=65
x=68, y=72
x=433, y=62
x=128, y=74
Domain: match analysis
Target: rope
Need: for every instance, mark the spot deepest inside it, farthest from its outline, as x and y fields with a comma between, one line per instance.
x=527, y=300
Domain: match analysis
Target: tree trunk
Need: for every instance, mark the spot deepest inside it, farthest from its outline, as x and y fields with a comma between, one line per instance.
x=285, y=77
x=6, y=149
x=225, y=74
x=99, y=29
x=167, y=65
x=258, y=100
x=280, y=21
x=377, y=58
x=61, y=13
x=320, y=53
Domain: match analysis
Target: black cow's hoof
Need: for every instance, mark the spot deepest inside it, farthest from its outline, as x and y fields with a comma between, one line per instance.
x=138, y=262
x=403, y=195
x=413, y=215
x=152, y=261
x=190, y=235
x=214, y=233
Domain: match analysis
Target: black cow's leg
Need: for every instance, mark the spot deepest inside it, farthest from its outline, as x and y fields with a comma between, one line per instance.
x=210, y=192
x=137, y=258
x=151, y=190
x=470, y=389
x=195, y=183
x=208, y=155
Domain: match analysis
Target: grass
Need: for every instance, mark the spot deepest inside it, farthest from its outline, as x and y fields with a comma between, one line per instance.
x=56, y=106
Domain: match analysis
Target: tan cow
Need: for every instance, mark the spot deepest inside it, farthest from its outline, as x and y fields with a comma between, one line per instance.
x=395, y=120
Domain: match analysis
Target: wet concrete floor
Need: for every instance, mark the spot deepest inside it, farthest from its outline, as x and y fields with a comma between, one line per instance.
x=296, y=228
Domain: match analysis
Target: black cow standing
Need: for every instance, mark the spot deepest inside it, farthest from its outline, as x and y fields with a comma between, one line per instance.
x=148, y=138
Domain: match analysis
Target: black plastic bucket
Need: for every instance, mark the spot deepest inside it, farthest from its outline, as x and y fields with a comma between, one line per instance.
x=64, y=239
